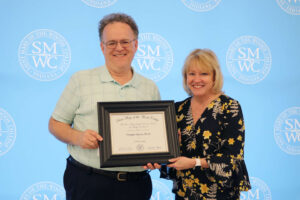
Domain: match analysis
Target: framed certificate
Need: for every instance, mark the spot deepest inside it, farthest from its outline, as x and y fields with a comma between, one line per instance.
x=137, y=132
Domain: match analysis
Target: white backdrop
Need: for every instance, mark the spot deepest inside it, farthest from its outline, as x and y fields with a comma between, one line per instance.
x=44, y=42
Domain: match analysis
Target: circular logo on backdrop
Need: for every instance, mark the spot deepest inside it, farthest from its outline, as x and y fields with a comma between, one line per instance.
x=99, y=3
x=259, y=191
x=248, y=59
x=201, y=5
x=7, y=132
x=287, y=130
x=44, y=55
x=44, y=190
x=154, y=57
x=291, y=7
x=161, y=191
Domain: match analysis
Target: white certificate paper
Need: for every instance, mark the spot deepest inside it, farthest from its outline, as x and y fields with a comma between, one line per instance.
x=138, y=133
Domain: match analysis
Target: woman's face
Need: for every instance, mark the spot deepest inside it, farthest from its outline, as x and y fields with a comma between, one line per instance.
x=200, y=82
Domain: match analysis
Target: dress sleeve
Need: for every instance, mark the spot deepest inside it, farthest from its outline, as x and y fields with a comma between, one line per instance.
x=226, y=163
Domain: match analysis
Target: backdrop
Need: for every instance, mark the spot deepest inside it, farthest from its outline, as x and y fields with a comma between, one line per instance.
x=44, y=42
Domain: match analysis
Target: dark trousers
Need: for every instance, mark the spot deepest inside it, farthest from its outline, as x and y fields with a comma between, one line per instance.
x=82, y=184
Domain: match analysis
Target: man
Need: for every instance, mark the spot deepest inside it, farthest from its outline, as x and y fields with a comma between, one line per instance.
x=74, y=120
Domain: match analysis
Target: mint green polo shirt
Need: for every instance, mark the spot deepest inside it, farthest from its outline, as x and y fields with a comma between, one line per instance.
x=78, y=105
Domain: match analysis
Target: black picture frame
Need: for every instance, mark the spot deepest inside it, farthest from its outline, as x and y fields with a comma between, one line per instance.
x=106, y=109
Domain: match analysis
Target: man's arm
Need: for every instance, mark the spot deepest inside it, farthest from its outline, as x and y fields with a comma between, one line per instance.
x=65, y=133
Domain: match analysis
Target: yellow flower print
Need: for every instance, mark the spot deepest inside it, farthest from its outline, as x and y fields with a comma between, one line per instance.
x=243, y=187
x=180, y=193
x=180, y=107
x=179, y=174
x=233, y=167
x=205, y=146
x=206, y=134
x=178, y=119
x=240, y=122
x=231, y=141
x=211, y=105
x=241, y=152
x=223, y=106
x=211, y=178
x=219, y=154
x=193, y=145
x=188, y=173
x=188, y=128
x=204, y=188
x=189, y=182
x=198, y=131
x=240, y=138
x=196, y=181
x=243, y=128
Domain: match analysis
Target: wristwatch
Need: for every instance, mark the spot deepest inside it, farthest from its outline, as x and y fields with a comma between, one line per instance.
x=198, y=162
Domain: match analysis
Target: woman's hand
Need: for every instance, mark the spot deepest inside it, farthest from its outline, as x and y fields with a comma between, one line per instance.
x=181, y=163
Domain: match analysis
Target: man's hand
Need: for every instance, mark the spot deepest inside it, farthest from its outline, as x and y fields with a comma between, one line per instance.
x=152, y=166
x=88, y=139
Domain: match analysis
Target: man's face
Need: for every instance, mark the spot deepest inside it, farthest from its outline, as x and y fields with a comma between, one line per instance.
x=120, y=57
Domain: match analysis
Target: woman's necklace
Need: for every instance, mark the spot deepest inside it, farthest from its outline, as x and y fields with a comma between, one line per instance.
x=198, y=107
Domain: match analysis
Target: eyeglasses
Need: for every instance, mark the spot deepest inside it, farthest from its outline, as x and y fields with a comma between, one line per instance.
x=113, y=44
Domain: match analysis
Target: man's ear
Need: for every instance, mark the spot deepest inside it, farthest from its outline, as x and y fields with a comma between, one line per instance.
x=136, y=44
x=102, y=47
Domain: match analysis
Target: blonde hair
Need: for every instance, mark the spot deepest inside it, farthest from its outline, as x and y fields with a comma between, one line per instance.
x=207, y=61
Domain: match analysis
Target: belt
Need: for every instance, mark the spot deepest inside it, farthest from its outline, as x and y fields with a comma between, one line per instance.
x=119, y=176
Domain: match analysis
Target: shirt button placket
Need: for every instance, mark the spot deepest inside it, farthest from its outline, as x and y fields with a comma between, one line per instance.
x=122, y=91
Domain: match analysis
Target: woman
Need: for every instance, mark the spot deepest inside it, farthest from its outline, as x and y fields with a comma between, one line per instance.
x=212, y=133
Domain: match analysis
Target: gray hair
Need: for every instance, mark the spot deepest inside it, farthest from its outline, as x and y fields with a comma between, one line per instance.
x=117, y=17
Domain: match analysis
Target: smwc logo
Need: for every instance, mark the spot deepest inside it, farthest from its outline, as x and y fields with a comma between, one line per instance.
x=291, y=7
x=7, y=132
x=248, y=59
x=201, y=5
x=154, y=57
x=44, y=191
x=161, y=191
x=99, y=3
x=44, y=55
x=287, y=131
x=259, y=191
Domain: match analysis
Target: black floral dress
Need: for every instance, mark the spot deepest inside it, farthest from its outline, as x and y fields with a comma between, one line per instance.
x=218, y=136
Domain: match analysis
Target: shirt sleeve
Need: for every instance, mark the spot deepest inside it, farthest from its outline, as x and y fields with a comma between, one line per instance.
x=156, y=94
x=227, y=164
x=68, y=102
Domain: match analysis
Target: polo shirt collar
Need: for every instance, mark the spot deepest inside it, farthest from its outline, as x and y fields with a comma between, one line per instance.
x=106, y=77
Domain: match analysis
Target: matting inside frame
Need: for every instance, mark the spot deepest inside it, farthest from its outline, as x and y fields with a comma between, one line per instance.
x=138, y=133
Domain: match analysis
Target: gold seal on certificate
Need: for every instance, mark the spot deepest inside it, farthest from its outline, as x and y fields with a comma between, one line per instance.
x=136, y=133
